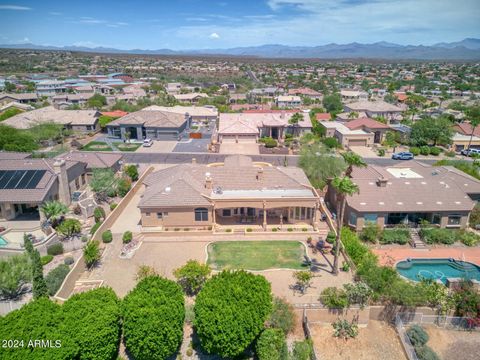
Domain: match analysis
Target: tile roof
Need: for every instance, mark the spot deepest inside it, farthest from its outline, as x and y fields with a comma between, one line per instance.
x=94, y=160
x=323, y=116
x=466, y=129
x=151, y=118
x=373, y=106
x=367, y=123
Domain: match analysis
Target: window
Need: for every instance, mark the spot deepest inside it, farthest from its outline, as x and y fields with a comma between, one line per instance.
x=201, y=214
x=227, y=212
x=454, y=220
x=371, y=218
x=436, y=218
x=352, y=219
x=159, y=215
x=235, y=211
x=147, y=214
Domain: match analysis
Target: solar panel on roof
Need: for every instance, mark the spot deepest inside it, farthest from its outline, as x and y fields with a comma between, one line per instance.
x=20, y=179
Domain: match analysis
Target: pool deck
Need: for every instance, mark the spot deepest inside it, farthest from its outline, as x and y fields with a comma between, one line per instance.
x=391, y=256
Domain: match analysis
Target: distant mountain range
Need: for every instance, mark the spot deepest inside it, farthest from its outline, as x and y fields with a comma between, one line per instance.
x=467, y=49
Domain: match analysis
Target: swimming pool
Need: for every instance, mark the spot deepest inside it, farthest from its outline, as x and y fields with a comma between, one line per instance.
x=437, y=269
x=3, y=242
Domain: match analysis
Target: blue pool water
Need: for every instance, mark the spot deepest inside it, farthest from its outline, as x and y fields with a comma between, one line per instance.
x=438, y=269
x=3, y=242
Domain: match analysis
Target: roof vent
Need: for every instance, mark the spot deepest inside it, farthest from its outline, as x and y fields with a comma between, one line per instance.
x=382, y=182
x=168, y=188
x=218, y=190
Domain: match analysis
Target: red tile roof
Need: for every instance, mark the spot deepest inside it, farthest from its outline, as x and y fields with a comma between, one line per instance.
x=116, y=113
x=466, y=129
x=271, y=111
x=366, y=122
x=323, y=116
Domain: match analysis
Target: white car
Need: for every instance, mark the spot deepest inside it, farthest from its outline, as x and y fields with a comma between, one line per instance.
x=470, y=152
x=147, y=143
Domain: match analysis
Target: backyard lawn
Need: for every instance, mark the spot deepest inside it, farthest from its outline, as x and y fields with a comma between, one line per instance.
x=256, y=255
x=96, y=146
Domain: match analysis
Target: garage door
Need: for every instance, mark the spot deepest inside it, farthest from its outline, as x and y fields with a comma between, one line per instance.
x=357, y=142
x=228, y=138
x=246, y=138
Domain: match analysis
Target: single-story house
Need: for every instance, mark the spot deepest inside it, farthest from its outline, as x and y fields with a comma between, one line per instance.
x=408, y=193
x=463, y=136
x=375, y=109
x=23, y=98
x=16, y=105
x=345, y=136
x=65, y=100
x=196, y=113
x=288, y=101
x=94, y=160
x=307, y=92
x=149, y=123
x=190, y=98
x=369, y=125
x=353, y=95
x=26, y=183
x=249, y=126
x=76, y=120
x=237, y=192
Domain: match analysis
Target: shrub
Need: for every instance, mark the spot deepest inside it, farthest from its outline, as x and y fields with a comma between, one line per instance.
x=426, y=353
x=249, y=230
x=124, y=186
x=304, y=229
x=46, y=259
x=271, y=345
x=290, y=229
x=381, y=152
x=107, y=236
x=230, y=311
x=192, y=276
x=55, y=277
x=274, y=229
x=69, y=260
x=438, y=236
x=345, y=266
x=395, y=236
x=69, y=227
x=153, y=317
x=132, y=172
x=331, y=143
x=15, y=272
x=424, y=150
x=95, y=227
x=331, y=237
x=334, y=298
x=270, y=143
x=435, y=151
x=127, y=237
x=355, y=249
x=302, y=350
x=228, y=230
x=450, y=154
x=99, y=214
x=55, y=249
x=370, y=232
x=469, y=238
x=417, y=335
x=91, y=253
x=415, y=150
x=282, y=316
x=344, y=329
x=113, y=206
x=474, y=218
x=358, y=293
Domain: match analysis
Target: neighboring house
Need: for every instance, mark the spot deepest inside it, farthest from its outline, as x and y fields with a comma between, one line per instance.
x=370, y=126
x=65, y=100
x=190, y=98
x=76, y=120
x=375, y=109
x=16, y=105
x=149, y=123
x=408, y=193
x=353, y=95
x=323, y=116
x=288, y=101
x=137, y=91
x=249, y=126
x=237, y=192
x=463, y=136
x=196, y=113
x=345, y=136
x=22, y=98
x=50, y=87
x=26, y=183
x=94, y=160
x=173, y=88
x=307, y=92
x=234, y=98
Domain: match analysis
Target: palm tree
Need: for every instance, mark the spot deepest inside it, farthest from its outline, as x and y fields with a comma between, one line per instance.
x=473, y=113
x=344, y=187
x=294, y=120
x=352, y=115
x=352, y=159
x=53, y=210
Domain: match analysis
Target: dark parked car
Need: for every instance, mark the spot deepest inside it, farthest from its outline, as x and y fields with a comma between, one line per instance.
x=403, y=156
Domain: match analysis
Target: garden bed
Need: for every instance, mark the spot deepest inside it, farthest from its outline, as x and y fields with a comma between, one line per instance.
x=127, y=146
x=256, y=255
x=275, y=150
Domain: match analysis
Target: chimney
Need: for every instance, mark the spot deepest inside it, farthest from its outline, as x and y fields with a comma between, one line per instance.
x=208, y=181
x=260, y=174
x=382, y=182
x=60, y=168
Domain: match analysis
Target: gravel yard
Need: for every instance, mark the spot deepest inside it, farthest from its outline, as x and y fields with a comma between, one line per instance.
x=453, y=344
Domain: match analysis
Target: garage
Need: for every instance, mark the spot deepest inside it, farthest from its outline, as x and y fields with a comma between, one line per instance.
x=239, y=138
x=247, y=138
x=357, y=142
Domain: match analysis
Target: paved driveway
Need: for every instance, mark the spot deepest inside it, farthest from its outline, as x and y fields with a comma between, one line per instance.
x=239, y=148
x=192, y=146
x=159, y=146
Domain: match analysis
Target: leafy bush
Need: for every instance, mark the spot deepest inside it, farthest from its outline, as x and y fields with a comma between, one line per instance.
x=113, y=206
x=124, y=186
x=424, y=150
x=435, y=151
x=91, y=253
x=417, y=335
x=302, y=350
x=55, y=249
x=46, y=259
x=282, y=316
x=355, y=249
x=474, y=218
x=344, y=329
x=331, y=143
x=15, y=273
x=131, y=171
x=69, y=260
x=55, y=277
x=99, y=214
x=469, y=238
x=249, y=230
x=450, y=154
x=395, y=236
x=370, y=232
x=415, y=150
x=192, y=276
x=358, y=293
x=334, y=298
x=381, y=152
x=69, y=227
x=331, y=237
x=95, y=227
x=230, y=311
x=426, y=353
x=438, y=235
x=107, y=236
x=127, y=237
x=271, y=345
x=153, y=316
x=270, y=143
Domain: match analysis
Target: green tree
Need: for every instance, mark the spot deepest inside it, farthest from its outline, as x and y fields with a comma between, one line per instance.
x=333, y=103
x=97, y=101
x=153, y=317
x=15, y=274
x=9, y=113
x=230, y=311
x=53, y=210
x=415, y=101
x=12, y=139
x=303, y=280
x=473, y=115
x=271, y=345
x=192, y=276
x=432, y=131
x=282, y=316
x=27, y=244
x=39, y=286
x=131, y=171
x=124, y=186
x=104, y=182
x=9, y=87
x=91, y=253
x=69, y=227
x=294, y=120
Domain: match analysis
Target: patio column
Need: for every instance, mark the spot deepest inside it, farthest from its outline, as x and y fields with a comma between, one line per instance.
x=314, y=217
x=265, y=216
x=214, y=218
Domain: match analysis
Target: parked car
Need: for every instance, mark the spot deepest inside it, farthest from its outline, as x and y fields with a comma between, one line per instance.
x=470, y=152
x=147, y=142
x=405, y=155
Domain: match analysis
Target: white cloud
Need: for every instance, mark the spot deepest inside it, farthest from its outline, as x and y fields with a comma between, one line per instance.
x=214, y=35
x=15, y=7
x=55, y=13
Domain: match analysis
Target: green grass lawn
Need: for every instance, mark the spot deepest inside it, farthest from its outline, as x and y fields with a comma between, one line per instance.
x=96, y=146
x=127, y=147
x=256, y=255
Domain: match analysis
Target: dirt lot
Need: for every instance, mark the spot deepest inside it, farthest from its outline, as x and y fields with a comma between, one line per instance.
x=377, y=341
x=453, y=344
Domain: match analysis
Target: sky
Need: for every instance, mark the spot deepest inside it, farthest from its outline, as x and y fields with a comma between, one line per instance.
x=216, y=24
